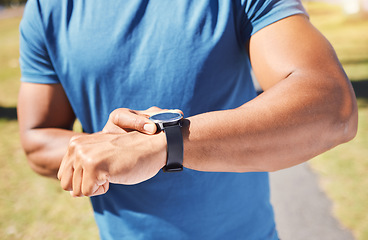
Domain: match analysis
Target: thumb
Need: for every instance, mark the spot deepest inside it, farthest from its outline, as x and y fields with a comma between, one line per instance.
x=132, y=120
x=150, y=127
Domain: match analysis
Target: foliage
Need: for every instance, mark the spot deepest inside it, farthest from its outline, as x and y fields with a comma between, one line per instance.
x=11, y=2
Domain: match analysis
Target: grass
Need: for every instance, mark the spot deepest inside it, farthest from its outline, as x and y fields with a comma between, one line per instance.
x=343, y=170
x=33, y=207
x=9, y=66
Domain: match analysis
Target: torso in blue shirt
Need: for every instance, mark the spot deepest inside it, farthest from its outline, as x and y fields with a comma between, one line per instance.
x=182, y=54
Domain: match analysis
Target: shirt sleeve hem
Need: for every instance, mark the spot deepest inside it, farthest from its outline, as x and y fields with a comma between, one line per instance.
x=50, y=79
x=261, y=25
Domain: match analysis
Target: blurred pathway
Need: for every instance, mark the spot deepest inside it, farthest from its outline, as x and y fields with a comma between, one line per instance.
x=302, y=210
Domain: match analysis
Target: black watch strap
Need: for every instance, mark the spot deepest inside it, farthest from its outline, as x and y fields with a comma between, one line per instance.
x=174, y=140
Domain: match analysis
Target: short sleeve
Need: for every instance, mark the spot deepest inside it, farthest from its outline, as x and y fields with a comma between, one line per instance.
x=35, y=63
x=259, y=14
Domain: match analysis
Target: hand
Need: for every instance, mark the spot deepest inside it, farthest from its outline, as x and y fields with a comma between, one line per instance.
x=94, y=160
x=123, y=120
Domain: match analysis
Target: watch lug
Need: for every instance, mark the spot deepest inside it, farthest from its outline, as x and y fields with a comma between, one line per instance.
x=172, y=168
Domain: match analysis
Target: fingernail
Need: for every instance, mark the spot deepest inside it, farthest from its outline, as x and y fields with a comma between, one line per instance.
x=149, y=128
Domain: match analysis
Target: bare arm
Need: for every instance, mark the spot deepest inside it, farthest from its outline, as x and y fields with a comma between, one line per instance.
x=307, y=108
x=45, y=120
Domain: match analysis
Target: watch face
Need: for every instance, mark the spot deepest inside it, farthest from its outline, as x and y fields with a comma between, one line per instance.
x=166, y=117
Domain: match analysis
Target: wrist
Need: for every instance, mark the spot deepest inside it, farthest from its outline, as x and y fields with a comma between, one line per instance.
x=159, y=143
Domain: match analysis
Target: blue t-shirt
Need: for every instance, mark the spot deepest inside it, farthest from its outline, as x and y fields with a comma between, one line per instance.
x=183, y=54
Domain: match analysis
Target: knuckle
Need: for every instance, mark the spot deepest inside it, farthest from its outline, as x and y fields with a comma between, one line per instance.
x=87, y=191
x=154, y=108
x=79, y=153
x=88, y=163
x=65, y=185
x=74, y=140
x=138, y=123
x=77, y=193
x=131, y=111
x=115, y=114
x=82, y=156
x=112, y=115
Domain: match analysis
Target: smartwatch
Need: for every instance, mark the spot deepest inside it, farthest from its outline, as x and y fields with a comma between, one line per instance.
x=171, y=123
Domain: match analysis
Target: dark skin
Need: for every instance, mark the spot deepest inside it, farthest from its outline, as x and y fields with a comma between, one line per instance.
x=308, y=106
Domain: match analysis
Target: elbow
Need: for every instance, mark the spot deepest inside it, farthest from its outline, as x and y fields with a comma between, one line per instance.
x=41, y=169
x=346, y=119
x=37, y=158
x=349, y=127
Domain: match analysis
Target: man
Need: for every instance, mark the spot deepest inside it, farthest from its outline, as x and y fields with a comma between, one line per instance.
x=105, y=62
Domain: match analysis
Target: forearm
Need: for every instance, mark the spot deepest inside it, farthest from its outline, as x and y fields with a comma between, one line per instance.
x=288, y=124
x=45, y=148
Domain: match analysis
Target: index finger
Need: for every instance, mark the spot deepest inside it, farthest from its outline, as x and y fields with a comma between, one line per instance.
x=133, y=120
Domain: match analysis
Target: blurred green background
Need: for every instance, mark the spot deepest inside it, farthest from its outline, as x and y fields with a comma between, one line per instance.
x=344, y=170
x=33, y=207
